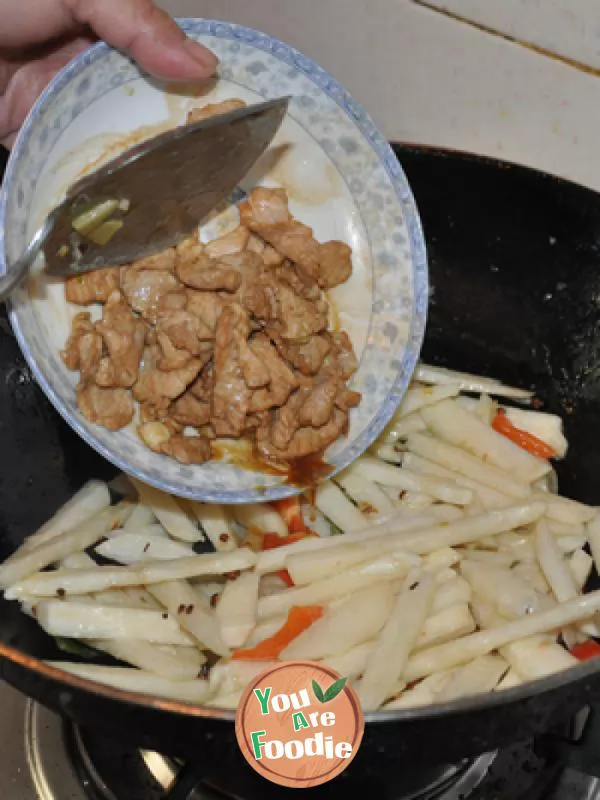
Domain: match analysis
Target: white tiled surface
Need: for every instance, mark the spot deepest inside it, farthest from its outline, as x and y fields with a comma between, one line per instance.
x=430, y=79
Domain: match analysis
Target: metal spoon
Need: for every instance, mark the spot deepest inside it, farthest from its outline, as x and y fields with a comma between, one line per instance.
x=157, y=193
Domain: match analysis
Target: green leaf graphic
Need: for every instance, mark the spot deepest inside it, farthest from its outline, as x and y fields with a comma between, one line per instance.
x=334, y=689
x=318, y=692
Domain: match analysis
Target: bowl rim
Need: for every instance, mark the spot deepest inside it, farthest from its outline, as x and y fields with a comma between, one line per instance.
x=398, y=182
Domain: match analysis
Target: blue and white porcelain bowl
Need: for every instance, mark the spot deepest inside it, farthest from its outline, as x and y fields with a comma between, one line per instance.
x=341, y=176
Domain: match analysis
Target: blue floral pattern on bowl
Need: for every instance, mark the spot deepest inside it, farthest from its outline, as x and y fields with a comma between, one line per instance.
x=385, y=216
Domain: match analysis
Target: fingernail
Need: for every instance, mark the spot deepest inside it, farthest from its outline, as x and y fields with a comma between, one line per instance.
x=201, y=55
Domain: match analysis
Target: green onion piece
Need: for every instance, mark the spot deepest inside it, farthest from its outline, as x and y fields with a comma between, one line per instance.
x=105, y=232
x=89, y=220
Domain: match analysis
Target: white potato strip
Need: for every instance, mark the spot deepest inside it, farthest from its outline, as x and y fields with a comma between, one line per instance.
x=352, y=580
x=84, y=581
x=467, y=648
x=225, y=701
x=581, y=564
x=451, y=593
x=400, y=428
x=554, y=566
x=419, y=397
x=129, y=548
x=459, y=427
x=192, y=612
x=564, y=529
x=389, y=452
x=64, y=544
x=170, y=662
x=316, y=521
x=468, y=383
x=397, y=639
x=507, y=592
x=154, y=529
x=519, y=544
x=227, y=677
x=563, y=509
x=423, y=694
x=419, y=540
x=236, y=609
x=457, y=459
x=490, y=557
x=440, y=559
x=136, y=680
x=129, y=597
x=305, y=568
x=544, y=426
x=530, y=572
x=332, y=502
x=593, y=535
x=351, y=664
x=265, y=629
x=450, y=623
x=215, y=522
x=509, y=681
x=168, y=512
x=93, y=497
x=141, y=516
x=89, y=621
x=367, y=495
x=568, y=544
x=372, y=469
x=356, y=620
x=478, y=677
x=490, y=498
x=260, y=517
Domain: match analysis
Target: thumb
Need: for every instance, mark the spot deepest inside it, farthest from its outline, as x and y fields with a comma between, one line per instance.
x=148, y=34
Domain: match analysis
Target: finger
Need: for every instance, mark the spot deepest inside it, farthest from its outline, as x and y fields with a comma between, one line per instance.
x=149, y=35
x=28, y=80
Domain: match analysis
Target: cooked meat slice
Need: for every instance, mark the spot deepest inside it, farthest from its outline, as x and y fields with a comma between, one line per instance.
x=342, y=356
x=285, y=421
x=318, y=407
x=92, y=287
x=299, y=281
x=255, y=372
x=346, y=399
x=281, y=380
x=229, y=244
x=297, y=318
x=307, y=358
x=304, y=442
x=265, y=208
x=231, y=394
x=197, y=270
x=169, y=357
x=255, y=244
x=335, y=259
x=271, y=257
x=123, y=335
x=146, y=289
x=185, y=330
x=188, y=410
x=161, y=261
x=154, y=385
x=206, y=306
x=83, y=350
x=111, y=408
x=188, y=449
x=154, y=434
x=203, y=386
x=214, y=109
x=173, y=301
x=149, y=412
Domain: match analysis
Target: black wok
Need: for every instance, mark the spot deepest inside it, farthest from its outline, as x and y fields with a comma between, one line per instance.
x=515, y=273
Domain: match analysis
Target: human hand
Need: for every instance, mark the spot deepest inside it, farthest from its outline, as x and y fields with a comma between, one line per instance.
x=39, y=37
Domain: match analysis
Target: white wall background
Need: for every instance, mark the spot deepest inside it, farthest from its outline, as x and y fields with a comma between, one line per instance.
x=430, y=78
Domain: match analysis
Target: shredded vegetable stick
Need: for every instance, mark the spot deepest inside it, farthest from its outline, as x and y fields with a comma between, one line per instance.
x=168, y=512
x=389, y=452
x=227, y=677
x=299, y=619
x=356, y=620
x=140, y=518
x=400, y=428
x=351, y=664
x=452, y=457
x=563, y=509
x=479, y=676
x=593, y=534
x=90, y=621
x=419, y=397
x=170, y=662
x=581, y=564
x=215, y=522
x=403, y=479
x=63, y=545
x=468, y=383
x=459, y=427
x=260, y=517
x=451, y=623
x=192, y=612
x=509, y=681
x=322, y=591
x=423, y=694
x=366, y=494
x=527, y=441
x=129, y=548
x=554, y=566
x=507, y=592
x=136, y=680
x=84, y=581
x=236, y=609
x=93, y=497
x=394, y=644
x=305, y=568
x=445, y=656
x=451, y=593
x=332, y=502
